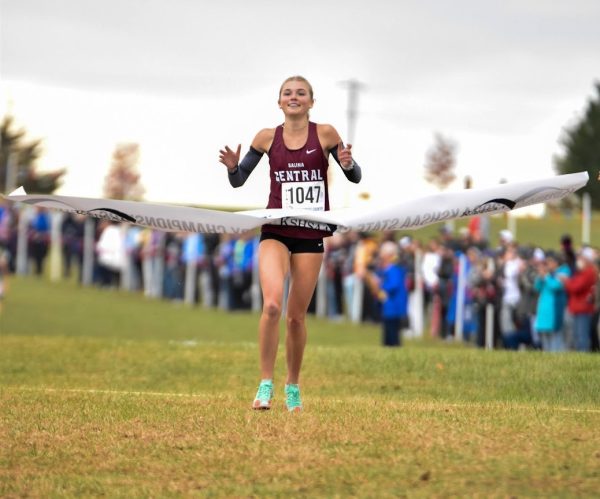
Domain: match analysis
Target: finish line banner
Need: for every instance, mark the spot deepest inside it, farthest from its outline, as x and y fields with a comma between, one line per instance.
x=410, y=214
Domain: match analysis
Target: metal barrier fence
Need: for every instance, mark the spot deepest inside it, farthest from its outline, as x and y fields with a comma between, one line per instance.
x=196, y=280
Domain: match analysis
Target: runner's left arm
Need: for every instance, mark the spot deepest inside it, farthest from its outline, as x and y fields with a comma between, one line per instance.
x=353, y=173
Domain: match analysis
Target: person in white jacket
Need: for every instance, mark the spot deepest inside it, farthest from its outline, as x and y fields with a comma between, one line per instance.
x=110, y=249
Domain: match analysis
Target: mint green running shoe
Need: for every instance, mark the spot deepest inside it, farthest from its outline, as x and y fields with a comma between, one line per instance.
x=293, y=402
x=264, y=395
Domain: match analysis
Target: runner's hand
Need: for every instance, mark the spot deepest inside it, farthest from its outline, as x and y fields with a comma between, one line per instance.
x=230, y=158
x=345, y=155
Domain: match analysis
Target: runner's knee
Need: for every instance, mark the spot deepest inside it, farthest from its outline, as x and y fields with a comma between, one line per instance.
x=272, y=309
x=295, y=320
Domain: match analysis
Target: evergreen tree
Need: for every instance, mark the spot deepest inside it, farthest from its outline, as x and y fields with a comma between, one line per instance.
x=440, y=164
x=581, y=142
x=18, y=156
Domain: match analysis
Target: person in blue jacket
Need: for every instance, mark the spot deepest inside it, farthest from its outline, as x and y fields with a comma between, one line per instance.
x=389, y=285
x=551, y=304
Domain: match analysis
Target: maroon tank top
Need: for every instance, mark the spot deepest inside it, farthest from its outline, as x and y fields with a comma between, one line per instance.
x=298, y=180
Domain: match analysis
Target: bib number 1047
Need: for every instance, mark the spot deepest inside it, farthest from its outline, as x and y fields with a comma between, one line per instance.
x=305, y=195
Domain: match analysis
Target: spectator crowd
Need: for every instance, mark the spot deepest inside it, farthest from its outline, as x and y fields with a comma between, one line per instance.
x=539, y=298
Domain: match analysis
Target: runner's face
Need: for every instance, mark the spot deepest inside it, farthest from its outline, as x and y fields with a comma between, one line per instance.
x=295, y=99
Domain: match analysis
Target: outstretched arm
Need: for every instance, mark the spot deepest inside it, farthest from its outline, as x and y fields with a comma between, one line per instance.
x=238, y=172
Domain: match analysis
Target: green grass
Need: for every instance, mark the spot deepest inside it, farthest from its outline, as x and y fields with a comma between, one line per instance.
x=104, y=393
x=539, y=232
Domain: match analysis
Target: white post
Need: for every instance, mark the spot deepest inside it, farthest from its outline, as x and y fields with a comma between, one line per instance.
x=56, y=218
x=321, y=309
x=357, y=299
x=87, y=275
x=586, y=215
x=206, y=293
x=190, y=269
x=489, y=326
x=460, y=297
x=127, y=272
x=190, y=282
x=512, y=224
x=418, y=322
x=22, y=262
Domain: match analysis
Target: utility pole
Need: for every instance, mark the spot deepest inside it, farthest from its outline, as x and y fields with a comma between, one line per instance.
x=354, y=87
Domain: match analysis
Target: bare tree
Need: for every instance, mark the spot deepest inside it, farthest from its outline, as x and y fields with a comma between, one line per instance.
x=123, y=179
x=440, y=163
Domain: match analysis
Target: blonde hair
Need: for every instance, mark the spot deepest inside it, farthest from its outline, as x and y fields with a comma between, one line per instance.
x=301, y=79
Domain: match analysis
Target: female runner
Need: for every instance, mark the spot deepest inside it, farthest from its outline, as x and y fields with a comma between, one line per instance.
x=298, y=152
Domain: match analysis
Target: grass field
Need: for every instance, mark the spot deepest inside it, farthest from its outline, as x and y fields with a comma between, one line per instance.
x=539, y=232
x=109, y=394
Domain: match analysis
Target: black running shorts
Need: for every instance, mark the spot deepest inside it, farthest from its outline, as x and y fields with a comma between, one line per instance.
x=296, y=244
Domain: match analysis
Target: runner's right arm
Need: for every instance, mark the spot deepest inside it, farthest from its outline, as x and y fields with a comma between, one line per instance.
x=239, y=174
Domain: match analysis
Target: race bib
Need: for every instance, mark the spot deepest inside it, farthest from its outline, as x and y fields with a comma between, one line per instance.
x=304, y=195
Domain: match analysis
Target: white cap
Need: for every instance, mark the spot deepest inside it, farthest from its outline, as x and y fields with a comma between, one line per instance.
x=506, y=235
x=405, y=242
x=539, y=255
x=589, y=254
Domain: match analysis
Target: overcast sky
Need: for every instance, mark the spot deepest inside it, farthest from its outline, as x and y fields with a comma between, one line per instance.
x=184, y=77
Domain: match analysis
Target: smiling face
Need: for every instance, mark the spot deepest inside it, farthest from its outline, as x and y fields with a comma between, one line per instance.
x=296, y=96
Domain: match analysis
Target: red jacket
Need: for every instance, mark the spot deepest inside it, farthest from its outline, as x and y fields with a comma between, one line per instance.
x=581, y=291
